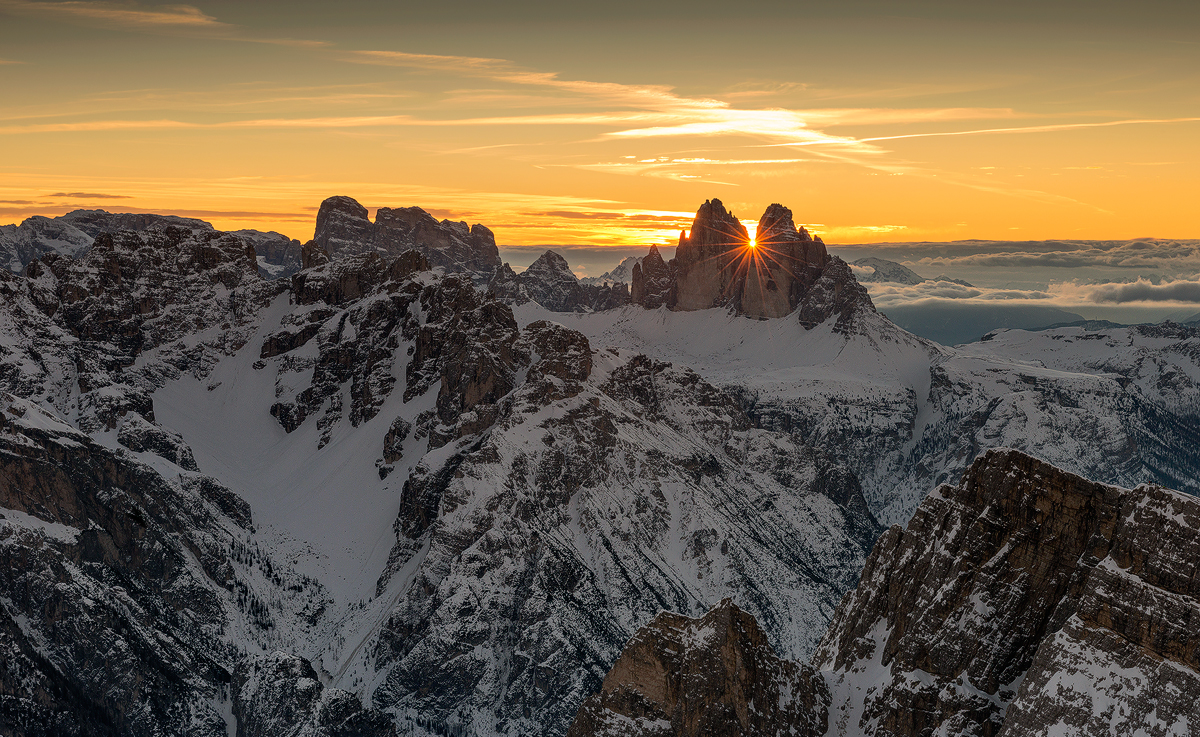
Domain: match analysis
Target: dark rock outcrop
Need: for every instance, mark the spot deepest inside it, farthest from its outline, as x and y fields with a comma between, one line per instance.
x=118, y=585
x=343, y=228
x=653, y=281
x=715, y=675
x=834, y=294
x=279, y=256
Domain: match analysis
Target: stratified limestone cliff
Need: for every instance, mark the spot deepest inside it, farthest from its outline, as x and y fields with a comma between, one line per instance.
x=1024, y=601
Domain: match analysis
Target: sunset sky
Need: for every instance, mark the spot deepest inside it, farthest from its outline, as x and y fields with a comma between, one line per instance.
x=608, y=123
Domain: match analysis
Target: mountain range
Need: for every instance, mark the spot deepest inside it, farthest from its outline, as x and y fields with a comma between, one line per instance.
x=383, y=484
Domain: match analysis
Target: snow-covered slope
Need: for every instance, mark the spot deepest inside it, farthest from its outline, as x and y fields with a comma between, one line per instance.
x=1119, y=404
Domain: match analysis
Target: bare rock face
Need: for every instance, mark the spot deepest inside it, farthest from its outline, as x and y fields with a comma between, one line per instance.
x=342, y=225
x=835, y=294
x=550, y=282
x=707, y=261
x=343, y=228
x=1023, y=601
x=715, y=675
x=653, y=281
x=120, y=587
x=278, y=255
x=783, y=269
x=533, y=549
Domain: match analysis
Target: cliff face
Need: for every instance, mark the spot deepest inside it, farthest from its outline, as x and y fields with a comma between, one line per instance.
x=1024, y=598
x=708, y=261
x=782, y=269
x=653, y=281
x=1024, y=601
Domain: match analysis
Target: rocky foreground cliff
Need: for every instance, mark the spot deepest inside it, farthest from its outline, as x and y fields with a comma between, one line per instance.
x=1023, y=601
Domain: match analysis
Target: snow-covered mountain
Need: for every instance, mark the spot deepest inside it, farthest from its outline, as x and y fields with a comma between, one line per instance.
x=72, y=234
x=622, y=273
x=550, y=283
x=449, y=509
x=874, y=269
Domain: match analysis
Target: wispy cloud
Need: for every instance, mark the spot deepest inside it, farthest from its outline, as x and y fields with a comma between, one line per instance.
x=426, y=61
x=186, y=19
x=1037, y=128
x=178, y=16
x=89, y=196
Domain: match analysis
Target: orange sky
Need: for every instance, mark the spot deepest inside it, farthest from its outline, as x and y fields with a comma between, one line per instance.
x=870, y=122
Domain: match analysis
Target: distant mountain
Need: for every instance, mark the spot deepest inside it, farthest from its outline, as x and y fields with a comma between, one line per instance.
x=622, y=273
x=73, y=234
x=953, y=323
x=890, y=271
x=549, y=282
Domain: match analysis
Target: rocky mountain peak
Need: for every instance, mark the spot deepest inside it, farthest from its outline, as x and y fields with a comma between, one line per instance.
x=718, y=266
x=1026, y=600
x=550, y=282
x=713, y=675
x=342, y=224
x=1023, y=598
x=95, y=222
x=715, y=226
x=343, y=227
x=551, y=266
x=777, y=227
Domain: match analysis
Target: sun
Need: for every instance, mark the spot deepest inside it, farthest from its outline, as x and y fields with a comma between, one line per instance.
x=751, y=244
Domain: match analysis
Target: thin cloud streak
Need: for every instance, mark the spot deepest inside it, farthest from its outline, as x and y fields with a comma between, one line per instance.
x=89, y=196
x=187, y=19
x=185, y=16
x=425, y=61
x=1037, y=128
